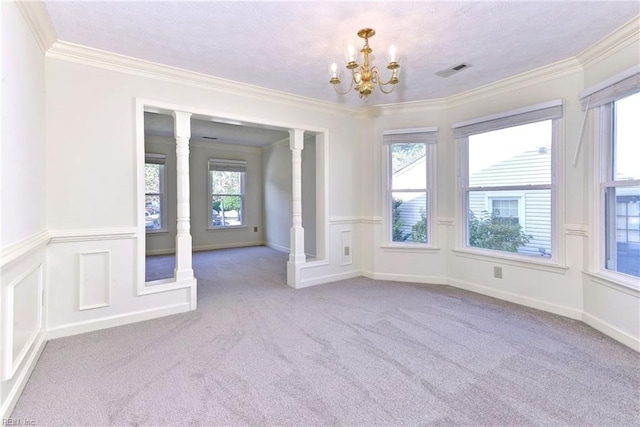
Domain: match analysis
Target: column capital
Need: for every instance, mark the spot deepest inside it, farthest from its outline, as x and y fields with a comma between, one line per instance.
x=296, y=139
x=182, y=124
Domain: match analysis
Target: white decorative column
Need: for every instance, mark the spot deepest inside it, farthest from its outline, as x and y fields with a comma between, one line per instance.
x=296, y=253
x=182, y=132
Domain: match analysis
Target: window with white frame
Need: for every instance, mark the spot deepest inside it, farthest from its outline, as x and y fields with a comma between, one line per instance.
x=410, y=166
x=154, y=192
x=226, y=193
x=618, y=105
x=507, y=180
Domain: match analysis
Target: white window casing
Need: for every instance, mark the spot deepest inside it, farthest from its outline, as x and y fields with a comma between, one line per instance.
x=224, y=165
x=552, y=110
x=428, y=137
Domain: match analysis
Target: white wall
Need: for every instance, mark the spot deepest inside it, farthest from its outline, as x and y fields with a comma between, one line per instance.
x=91, y=111
x=203, y=237
x=23, y=233
x=277, y=194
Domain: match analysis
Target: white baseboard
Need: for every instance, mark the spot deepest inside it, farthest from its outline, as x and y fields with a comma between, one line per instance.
x=612, y=331
x=407, y=278
x=277, y=247
x=518, y=299
x=23, y=377
x=328, y=279
x=118, y=320
x=206, y=247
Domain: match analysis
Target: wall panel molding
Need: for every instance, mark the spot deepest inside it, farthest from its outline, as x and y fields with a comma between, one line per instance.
x=94, y=280
x=21, y=326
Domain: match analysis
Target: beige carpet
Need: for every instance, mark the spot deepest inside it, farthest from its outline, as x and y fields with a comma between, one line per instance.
x=357, y=352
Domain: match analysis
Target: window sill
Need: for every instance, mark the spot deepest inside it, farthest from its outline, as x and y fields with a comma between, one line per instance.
x=618, y=282
x=514, y=260
x=228, y=227
x=409, y=248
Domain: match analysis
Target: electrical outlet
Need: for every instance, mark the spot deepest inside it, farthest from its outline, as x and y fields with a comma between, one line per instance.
x=497, y=272
x=255, y=229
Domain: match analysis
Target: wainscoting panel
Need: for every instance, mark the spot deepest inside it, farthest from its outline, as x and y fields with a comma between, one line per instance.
x=22, y=318
x=95, y=279
x=347, y=247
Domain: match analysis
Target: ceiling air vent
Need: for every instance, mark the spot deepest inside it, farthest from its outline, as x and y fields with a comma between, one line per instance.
x=209, y=137
x=452, y=70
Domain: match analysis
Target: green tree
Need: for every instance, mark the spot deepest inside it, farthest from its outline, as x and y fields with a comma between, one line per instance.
x=419, y=229
x=398, y=235
x=404, y=154
x=492, y=232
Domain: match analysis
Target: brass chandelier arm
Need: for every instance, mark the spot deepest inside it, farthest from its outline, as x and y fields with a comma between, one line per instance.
x=376, y=78
x=335, y=87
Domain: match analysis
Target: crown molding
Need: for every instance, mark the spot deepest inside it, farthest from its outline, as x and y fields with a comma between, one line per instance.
x=614, y=42
x=553, y=71
x=37, y=18
x=138, y=67
x=426, y=105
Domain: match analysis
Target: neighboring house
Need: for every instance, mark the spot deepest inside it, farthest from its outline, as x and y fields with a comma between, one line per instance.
x=530, y=208
x=413, y=204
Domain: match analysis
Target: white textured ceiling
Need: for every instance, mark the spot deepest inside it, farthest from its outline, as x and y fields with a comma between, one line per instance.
x=288, y=46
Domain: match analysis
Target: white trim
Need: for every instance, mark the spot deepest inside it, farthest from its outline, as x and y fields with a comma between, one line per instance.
x=277, y=247
x=428, y=129
x=576, y=230
x=93, y=234
x=20, y=382
x=329, y=278
x=446, y=221
x=416, y=248
x=611, y=331
x=505, y=114
x=133, y=66
x=37, y=18
x=610, y=81
x=11, y=362
x=107, y=303
x=615, y=281
x=213, y=247
x=507, y=258
x=168, y=285
x=17, y=250
x=614, y=42
x=117, y=320
x=406, y=278
x=569, y=312
x=340, y=220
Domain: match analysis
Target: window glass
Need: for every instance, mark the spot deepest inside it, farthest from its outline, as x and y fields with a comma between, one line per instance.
x=154, y=193
x=622, y=190
x=227, y=198
x=509, y=204
x=409, y=195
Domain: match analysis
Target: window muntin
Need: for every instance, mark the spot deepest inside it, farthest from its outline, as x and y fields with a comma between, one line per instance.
x=621, y=186
x=154, y=173
x=226, y=193
x=498, y=164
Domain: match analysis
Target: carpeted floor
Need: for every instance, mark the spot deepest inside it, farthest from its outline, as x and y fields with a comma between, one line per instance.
x=356, y=352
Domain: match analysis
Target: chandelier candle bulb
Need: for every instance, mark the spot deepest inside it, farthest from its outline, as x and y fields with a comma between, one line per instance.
x=392, y=54
x=335, y=77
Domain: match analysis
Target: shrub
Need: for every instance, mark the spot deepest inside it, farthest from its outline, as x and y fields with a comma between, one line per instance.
x=492, y=232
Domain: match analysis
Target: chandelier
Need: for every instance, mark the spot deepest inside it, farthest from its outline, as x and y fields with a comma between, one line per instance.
x=364, y=77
